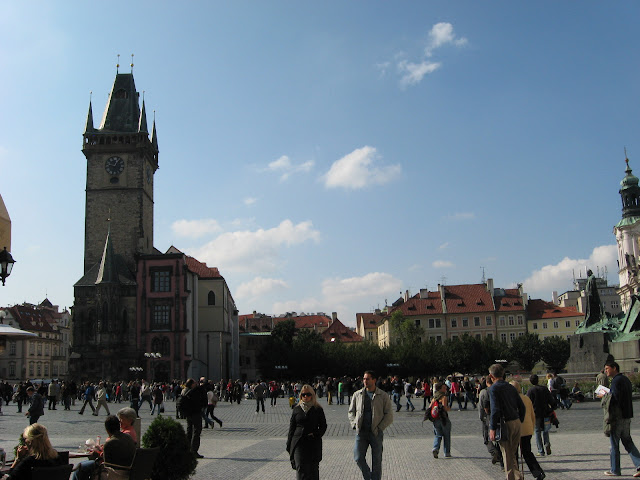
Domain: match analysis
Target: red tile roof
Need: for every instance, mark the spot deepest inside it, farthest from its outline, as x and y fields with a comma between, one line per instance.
x=370, y=320
x=432, y=305
x=307, y=321
x=468, y=298
x=261, y=322
x=338, y=332
x=541, y=309
x=511, y=301
x=33, y=319
x=201, y=269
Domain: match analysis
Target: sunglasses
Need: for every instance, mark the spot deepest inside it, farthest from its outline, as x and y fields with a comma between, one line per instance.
x=306, y=394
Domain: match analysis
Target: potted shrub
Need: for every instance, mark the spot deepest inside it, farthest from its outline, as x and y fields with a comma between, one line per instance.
x=175, y=461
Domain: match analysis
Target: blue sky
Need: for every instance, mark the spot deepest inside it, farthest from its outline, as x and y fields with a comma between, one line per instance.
x=328, y=155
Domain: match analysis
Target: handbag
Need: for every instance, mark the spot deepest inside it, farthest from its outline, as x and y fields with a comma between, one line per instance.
x=502, y=432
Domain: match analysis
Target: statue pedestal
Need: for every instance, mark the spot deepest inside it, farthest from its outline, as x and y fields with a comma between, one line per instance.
x=589, y=352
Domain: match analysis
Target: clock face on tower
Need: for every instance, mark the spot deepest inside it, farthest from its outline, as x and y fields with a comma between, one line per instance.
x=114, y=165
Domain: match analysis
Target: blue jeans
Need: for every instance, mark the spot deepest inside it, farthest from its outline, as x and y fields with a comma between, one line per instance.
x=409, y=404
x=542, y=434
x=621, y=431
x=396, y=400
x=442, y=431
x=85, y=470
x=363, y=442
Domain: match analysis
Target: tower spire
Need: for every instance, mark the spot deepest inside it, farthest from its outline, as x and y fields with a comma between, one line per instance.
x=142, y=124
x=89, y=125
x=154, y=135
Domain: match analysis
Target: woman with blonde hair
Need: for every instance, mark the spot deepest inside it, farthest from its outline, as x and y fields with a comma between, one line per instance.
x=304, y=442
x=526, y=432
x=36, y=452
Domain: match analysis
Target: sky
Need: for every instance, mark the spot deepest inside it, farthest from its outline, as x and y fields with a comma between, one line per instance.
x=326, y=156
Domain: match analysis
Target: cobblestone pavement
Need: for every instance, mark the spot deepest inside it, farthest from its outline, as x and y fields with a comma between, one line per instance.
x=251, y=446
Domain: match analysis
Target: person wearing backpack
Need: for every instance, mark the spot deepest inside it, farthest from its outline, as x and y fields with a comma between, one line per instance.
x=441, y=424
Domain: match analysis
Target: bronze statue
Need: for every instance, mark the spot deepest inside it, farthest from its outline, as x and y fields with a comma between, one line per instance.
x=593, y=312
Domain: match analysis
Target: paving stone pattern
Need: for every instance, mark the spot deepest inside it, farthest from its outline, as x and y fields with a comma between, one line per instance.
x=252, y=446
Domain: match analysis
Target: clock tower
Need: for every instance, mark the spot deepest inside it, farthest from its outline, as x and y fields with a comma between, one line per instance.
x=122, y=158
x=121, y=162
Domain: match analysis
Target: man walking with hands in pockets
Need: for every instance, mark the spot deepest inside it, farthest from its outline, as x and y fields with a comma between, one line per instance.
x=370, y=413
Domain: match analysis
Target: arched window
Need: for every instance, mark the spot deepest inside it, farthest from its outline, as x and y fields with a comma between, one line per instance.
x=105, y=317
x=166, y=347
x=211, y=298
x=155, y=345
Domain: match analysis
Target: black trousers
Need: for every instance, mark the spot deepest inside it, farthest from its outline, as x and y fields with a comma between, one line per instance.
x=529, y=457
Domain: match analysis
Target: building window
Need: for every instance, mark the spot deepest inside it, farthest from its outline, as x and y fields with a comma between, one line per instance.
x=438, y=339
x=503, y=337
x=454, y=337
x=55, y=369
x=32, y=349
x=46, y=369
x=615, y=304
x=502, y=324
x=567, y=324
x=211, y=298
x=577, y=323
x=489, y=336
x=520, y=320
x=31, y=369
x=478, y=336
x=476, y=321
x=39, y=369
x=438, y=323
x=39, y=349
x=512, y=336
x=47, y=349
x=465, y=322
x=535, y=325
x=161, y=280
x=418, y=322
x=166, y=347
x=555, y=325
x=511, y=321
x=12, y=369
x=488, y=320
x=520, y=334
x=454, y=323
x=544, y=325
x=12, y=347
x=161, y=317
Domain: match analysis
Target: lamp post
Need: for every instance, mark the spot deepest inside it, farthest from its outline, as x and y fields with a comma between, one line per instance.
x=6, y=264
x=135, y=370
x=152, y=357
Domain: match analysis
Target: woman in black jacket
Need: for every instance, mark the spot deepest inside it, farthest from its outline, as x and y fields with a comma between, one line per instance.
x=304, y=442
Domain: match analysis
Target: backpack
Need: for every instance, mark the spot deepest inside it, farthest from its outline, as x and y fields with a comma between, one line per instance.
x=433, y=412
x=186, y=405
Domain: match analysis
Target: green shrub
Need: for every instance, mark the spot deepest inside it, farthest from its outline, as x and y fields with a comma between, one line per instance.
x=175, y=461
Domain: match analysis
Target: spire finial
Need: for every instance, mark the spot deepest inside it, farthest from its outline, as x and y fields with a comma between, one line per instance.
x=132, y=63
x=90, y=96
x=118, y=65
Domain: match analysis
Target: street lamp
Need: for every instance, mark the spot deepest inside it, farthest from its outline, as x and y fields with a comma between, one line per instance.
x=152, y=356
x=6, y=264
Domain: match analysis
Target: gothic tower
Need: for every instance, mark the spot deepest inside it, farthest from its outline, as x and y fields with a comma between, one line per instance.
x=121, y=162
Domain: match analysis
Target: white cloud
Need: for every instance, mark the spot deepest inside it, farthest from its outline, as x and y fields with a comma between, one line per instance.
x=415, y=267
x=461, y=216
x=413, y=73
x=559, y=276
x=255, y=251
x=442, y=34
x=443, y=246
x=356, y=170
x=195, y=228
x=284, y=166
x=259, y=286
x=298, y=306
x=250, y=201
x=376, y=284
x=442, y=264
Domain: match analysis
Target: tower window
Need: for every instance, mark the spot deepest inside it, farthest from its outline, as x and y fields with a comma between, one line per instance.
x=161, y=280
x=211, y=298
x=161, y=317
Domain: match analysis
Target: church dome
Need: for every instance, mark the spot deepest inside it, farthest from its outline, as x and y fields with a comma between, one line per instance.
x=630, y=194
x=629, y=180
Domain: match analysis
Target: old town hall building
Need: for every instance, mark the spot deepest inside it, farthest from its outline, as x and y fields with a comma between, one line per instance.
x=133, y=299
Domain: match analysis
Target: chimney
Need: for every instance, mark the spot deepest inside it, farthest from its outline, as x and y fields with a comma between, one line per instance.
x=424, y=293
x=334, y=317
x=554, y=297
x=255, y=314
x=377, y=311
x=490, y=285
x=406, y=295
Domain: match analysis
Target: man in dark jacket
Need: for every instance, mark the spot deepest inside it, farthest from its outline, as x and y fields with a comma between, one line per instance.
x=507, y=405
x=620, y=423
x=543, y=405
x=36, y=410
x=196, y=400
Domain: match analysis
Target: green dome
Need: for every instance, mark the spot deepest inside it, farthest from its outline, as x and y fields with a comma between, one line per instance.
x=629, y=180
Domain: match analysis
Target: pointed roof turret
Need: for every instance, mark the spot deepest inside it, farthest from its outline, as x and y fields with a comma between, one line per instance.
x=89, y=125
x=154, y=135
x=142, y=125
x=630, y=193
x=122, y=113
x=107, y=272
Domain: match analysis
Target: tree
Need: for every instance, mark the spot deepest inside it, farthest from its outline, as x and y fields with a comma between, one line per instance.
x=405, y=330
x=526, y=350
x=284, y=331
x=555, y=352
x=492, y=350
